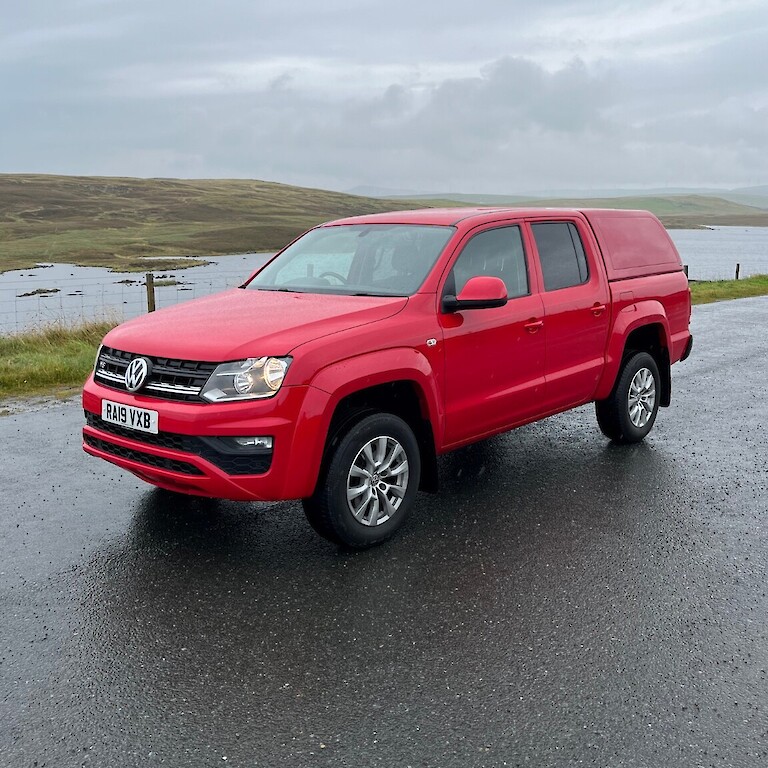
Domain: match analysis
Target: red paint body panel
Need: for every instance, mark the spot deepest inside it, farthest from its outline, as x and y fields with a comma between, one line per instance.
x=494, y=369
x=293, y=419
x=577, y=322
x=228, y=325
x=634, y=244
x=473, y=372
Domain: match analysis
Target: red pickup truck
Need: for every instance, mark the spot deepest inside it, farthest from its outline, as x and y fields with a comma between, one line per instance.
x=340, y=370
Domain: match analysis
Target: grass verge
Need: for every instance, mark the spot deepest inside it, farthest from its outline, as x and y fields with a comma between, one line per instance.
x=49, y=361
x=57, y=359
x=707, y=291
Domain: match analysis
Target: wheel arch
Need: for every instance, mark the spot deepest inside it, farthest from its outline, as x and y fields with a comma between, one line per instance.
x=401, y=397
x=398, y=380
x=642, y=327
x=650, y=338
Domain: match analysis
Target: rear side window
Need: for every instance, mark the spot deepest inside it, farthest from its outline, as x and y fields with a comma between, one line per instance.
x=561, y=252
x=497, y=253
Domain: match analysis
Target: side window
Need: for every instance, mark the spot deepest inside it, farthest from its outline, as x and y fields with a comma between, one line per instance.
x=563, y=261
x=495, y=252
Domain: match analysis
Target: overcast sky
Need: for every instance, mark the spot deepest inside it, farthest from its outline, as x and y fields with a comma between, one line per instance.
x=499, y=96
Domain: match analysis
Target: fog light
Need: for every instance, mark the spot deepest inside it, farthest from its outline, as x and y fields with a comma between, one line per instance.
x=254, y=442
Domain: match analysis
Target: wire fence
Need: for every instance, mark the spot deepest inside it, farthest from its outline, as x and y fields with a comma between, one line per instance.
x=736, y=271
x=25, y=305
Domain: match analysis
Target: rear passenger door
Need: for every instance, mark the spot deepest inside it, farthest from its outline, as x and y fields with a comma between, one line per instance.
x=576, y=310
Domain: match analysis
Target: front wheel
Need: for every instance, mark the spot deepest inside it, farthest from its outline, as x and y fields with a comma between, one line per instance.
x=628, y=413
x=368, y=488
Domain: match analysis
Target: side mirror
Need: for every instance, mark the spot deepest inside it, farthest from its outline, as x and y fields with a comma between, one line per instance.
x=480, y=292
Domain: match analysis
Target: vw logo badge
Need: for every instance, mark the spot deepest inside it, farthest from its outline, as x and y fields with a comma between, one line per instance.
x=136, y=373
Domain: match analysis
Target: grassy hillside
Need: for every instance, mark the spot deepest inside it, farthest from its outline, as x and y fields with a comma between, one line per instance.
x=460, y=199
x=677, y=211
x=116, y=222
x=757, y=201
x=672, y=205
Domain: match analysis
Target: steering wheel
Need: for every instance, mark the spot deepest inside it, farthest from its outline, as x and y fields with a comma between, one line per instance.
x=340, y=278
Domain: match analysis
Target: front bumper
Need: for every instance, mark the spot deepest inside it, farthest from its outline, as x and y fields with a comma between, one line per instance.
x=188, y=456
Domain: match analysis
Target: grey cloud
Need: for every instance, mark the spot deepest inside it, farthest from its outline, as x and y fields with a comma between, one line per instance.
x=425, y=96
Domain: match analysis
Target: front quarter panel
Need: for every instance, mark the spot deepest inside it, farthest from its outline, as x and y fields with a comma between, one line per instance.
x=332, y=385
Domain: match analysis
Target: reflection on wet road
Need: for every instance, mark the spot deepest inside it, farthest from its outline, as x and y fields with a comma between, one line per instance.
x=560, y=600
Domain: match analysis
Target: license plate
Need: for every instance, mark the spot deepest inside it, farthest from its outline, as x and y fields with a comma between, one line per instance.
x=141, y=419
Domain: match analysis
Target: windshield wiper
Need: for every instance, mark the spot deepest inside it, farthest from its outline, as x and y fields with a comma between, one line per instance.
x=280, y=290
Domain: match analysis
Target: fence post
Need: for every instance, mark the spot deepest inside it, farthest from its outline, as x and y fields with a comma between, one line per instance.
x=150, y=292
x=738, y=269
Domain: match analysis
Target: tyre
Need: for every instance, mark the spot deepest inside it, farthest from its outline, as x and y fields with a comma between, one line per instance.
x=628, y=413
x=372, y=475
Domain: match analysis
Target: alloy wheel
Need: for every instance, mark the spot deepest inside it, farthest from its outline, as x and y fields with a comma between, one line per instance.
x=377, y=481
x=642, y=397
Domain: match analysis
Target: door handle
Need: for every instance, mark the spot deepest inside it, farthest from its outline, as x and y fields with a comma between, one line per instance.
x=533, y=325
x=597, y=309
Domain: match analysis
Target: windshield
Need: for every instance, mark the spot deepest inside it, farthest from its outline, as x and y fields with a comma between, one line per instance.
x=356, y=259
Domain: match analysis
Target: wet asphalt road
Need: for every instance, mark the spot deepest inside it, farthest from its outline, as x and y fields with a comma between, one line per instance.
x=560, y=602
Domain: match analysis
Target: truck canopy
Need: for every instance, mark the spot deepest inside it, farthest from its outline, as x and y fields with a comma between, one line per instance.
x=633, y=243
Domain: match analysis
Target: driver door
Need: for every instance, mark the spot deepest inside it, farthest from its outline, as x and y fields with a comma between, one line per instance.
x=494, y=358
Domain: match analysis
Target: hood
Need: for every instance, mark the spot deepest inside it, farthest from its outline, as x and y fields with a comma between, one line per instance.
x=240, y=323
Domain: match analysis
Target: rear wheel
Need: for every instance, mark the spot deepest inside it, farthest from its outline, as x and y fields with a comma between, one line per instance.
x=368, y=487
x=629, y=412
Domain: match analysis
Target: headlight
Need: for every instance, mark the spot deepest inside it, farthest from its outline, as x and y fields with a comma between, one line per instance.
x=256, y=377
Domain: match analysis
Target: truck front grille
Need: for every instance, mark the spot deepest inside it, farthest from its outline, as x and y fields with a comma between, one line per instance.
x=169, y=379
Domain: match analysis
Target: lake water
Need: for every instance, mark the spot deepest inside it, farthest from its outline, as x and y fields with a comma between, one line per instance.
x=66, y=293
x=712, y=254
